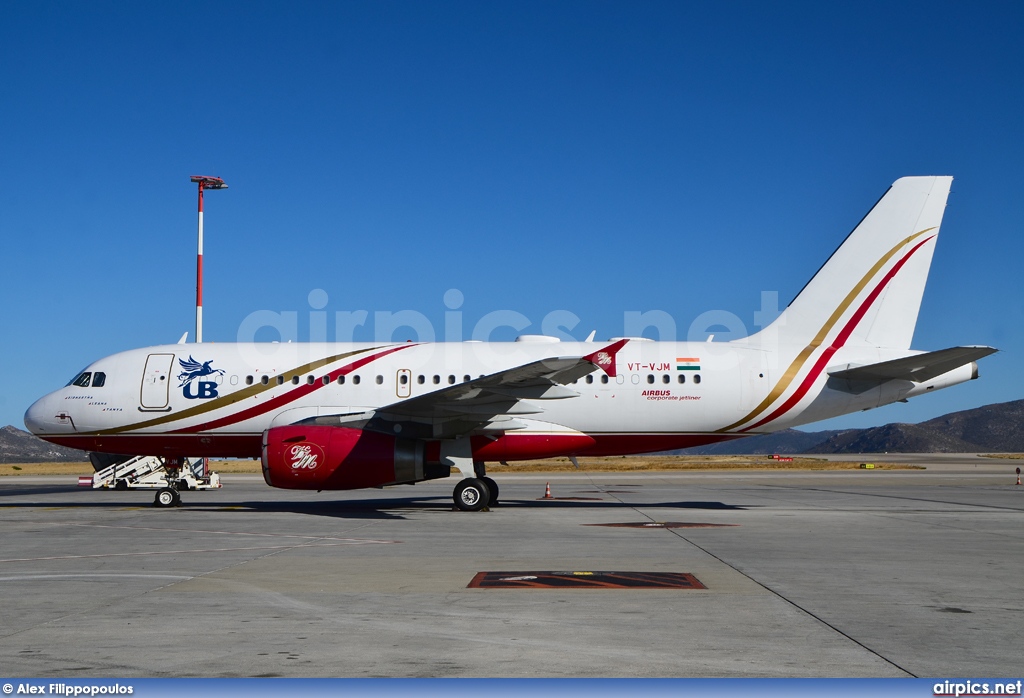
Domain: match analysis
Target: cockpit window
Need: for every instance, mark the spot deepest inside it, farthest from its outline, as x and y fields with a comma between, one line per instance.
x=99, y=379
x=82, y=380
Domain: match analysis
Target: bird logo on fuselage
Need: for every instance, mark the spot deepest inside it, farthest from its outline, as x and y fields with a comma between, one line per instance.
x=193, y=369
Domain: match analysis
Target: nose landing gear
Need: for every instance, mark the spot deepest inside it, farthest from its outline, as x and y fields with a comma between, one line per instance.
x=167, y=497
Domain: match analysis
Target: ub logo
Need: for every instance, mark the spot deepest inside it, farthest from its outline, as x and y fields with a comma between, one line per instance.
x=191, y=370
x=303, y=457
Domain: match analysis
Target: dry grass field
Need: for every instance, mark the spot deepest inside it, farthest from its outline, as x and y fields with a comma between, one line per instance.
x=551, y=465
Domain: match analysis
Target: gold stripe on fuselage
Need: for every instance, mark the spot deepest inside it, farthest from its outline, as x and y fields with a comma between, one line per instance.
x=798, y=363
x=227, y=400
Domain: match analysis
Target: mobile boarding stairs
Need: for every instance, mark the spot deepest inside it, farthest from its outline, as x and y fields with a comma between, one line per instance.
x=153, y=473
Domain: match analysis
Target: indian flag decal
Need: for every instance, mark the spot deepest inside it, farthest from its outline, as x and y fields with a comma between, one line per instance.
x=687, y=364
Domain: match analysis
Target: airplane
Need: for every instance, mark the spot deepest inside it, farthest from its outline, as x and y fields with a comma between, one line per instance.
x=347, y=416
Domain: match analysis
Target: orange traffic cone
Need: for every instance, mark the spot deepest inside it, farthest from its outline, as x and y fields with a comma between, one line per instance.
x=547, y=490
x=1018, y=476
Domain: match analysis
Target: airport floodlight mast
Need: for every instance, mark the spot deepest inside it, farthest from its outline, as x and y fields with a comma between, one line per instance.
x=204, y=183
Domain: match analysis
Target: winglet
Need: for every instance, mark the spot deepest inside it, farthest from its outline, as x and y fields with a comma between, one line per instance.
x=604, y=359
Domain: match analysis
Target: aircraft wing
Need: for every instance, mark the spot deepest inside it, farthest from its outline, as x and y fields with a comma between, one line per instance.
x=919, y=368
x=488, y=403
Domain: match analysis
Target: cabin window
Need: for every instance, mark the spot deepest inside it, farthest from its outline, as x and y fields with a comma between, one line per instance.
x=355, y=379
x=309, y=380
x=650, y=377
x=696, y=378
x=421, y=379
x=280, y=380
x=326, y=380
x=265, y=380
x=295, y=380
x=233, y=380
x=380, y=380
x=451, y=380
x=248, y=380
x=682, y=378
x=341, y=380
x=589, y=379
x=437, y=380
x=82, y=380
x=666, y=378
x=604, y=378
x=403, y=379
x=99, y=379
x=466, y=379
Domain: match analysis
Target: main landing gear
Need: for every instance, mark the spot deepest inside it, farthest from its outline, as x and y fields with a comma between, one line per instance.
x=476, y=493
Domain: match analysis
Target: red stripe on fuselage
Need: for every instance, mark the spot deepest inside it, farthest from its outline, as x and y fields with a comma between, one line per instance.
x=290, y=396
x=839, y=341
x=629, y=444
x=167, y=445
x=514, y=446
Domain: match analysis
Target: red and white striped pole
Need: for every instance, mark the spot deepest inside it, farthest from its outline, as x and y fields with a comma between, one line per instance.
x=199, y=271
x=204, y=183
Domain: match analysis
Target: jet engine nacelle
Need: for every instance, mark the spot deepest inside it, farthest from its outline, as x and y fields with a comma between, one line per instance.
x=338, y=458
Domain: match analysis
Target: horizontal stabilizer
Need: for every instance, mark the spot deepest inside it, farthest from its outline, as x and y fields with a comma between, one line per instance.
x=919, y=368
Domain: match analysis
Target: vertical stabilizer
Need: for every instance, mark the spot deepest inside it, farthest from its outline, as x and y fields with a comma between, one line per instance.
x=869, y=291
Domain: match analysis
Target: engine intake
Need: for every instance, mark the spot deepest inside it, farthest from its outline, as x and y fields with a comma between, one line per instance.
x=338, y=458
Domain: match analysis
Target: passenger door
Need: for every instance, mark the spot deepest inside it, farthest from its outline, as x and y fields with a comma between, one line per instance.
x=155, y=382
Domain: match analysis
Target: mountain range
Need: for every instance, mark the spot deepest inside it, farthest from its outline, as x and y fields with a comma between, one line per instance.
x=17, y=446
x=993, y=428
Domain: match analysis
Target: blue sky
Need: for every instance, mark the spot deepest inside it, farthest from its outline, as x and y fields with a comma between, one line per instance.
x=591, y=157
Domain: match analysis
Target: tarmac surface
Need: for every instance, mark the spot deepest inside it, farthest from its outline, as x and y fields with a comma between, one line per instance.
x=849, y=573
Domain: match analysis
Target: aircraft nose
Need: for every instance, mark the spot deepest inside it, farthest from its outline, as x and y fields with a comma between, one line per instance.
x=39, y=416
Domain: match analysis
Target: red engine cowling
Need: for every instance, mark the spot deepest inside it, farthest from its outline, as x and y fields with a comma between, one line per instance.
x=338, y=458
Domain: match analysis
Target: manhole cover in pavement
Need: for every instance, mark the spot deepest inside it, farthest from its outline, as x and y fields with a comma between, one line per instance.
x=585, y=580
x=663, y=524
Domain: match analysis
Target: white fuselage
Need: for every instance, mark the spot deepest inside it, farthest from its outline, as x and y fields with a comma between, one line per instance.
x=665, y=395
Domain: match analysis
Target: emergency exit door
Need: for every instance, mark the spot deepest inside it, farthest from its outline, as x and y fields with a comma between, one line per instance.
x=403, y=383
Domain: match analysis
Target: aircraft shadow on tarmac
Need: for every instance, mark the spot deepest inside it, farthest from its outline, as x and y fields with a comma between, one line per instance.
x=393, y=508
x=382, y=508
x=22, y=491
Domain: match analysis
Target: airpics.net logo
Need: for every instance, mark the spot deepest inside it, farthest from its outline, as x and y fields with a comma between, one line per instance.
x=961, y=687
x=266, y=333
x=386, y=326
